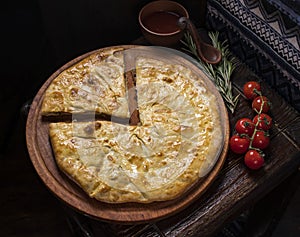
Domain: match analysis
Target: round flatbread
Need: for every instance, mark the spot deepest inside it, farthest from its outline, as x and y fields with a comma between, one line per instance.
x=176, y=142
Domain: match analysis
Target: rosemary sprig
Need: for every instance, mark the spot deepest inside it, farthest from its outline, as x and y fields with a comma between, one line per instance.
x=220, y=74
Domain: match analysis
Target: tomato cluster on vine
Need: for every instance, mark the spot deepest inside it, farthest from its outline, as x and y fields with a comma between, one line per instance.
x=251, y=136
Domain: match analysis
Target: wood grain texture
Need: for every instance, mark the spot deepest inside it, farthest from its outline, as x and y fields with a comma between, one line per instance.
x=39, y=148
x=236, y=188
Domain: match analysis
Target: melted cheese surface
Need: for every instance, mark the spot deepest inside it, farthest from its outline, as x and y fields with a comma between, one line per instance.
x=95, y=84
x=177, y=143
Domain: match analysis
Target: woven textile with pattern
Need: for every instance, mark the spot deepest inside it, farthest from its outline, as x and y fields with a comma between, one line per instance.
x=265, y=34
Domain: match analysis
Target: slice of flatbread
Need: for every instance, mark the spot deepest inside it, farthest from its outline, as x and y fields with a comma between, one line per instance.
x=116, y=163
x=94, y=85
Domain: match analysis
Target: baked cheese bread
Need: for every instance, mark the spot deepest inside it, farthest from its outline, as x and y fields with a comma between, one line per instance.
x=96, y=85
x=176, y=143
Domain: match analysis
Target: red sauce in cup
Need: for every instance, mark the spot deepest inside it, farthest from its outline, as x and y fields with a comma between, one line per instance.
x=162, y=22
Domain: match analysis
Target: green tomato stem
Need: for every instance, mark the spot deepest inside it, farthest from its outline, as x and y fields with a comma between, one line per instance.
x=255, y=127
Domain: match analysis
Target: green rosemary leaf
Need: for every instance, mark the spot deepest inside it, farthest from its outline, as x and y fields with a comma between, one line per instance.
x=219, y=74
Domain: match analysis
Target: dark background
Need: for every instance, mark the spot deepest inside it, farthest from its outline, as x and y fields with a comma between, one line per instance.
x=40, y=36
x=37, y=38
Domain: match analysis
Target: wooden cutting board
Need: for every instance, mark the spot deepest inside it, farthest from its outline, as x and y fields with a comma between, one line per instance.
x=42, y=157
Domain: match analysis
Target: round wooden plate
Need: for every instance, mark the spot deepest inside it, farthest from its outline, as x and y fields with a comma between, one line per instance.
x=40, y=151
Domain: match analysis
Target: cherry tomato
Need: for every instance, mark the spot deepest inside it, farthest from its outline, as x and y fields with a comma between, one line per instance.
x=252, y=89
x=261, y=104
x=253, y=159
x=260, y=140
x=245, y=126
x=238, y=144
x=263, y=121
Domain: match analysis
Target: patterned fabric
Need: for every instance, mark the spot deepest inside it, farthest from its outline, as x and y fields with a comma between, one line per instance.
x=265, y=34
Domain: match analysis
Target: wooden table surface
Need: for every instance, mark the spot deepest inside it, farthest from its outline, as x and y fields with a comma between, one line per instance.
x=236, y=187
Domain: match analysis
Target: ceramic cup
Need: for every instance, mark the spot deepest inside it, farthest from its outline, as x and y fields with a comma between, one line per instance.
x=159, y=22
